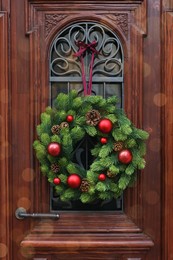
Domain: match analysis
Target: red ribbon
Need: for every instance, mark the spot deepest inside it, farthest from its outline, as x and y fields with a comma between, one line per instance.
x=83, y=48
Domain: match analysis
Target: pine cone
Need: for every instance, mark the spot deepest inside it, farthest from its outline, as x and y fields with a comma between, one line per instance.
x=110, y=174
x=55, y=129
x=118, y=146
x=64, y=125
x=55, y=167
x=93, y=117
x=84, y=187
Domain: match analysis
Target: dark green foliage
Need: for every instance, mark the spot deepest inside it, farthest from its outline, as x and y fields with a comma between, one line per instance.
x=105, y=158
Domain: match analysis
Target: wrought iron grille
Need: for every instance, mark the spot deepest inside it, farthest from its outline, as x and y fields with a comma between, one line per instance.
x=107, y=80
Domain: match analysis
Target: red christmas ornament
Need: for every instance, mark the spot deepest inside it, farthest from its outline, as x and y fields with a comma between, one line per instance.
x=54, y=149
x=105, y=125
x=74, y=181
x=103, y=140
x=69, y=118
x=125, y=156
x=56, y=181
x=102, y=177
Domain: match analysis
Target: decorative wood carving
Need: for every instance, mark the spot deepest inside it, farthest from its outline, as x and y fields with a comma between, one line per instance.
x=51, y=20
x=4, y=147
x=168, y=136
x=121, y=21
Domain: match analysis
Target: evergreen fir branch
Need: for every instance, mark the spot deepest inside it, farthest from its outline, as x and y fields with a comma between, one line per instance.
x=77, y=103
x=122, y=119
x=105, y=162
x=41, y=156
x=141, y=134
x=95, y=151
x=118, y=135
x=93, y=99
x=62, y=102
x=102, y=104
x=96, y=166
x=51, y=159
x=40, y=147
x=49, y=111
x=101, y=186
x=56, y=139
x=70, y=194
x=92, y=177
x=80, y=120
x=44, y=169
x=112, y=117
x=63, y=162
x=36, y=143
x=105, y=151
x=130, y=169
x=110, y=109
x=71, y=112
x=91, y=190
x=77, y=133
x=67, y=145
x=123, y=181
x=141, y=163
x=85, y=108
x=126, y=129
x=59, y=189
x=40, y=130
x=114, y=169
x=86, y=198
x=72, y=168
x=112, y=100
x=46, y=119
x=113, y=187
x=130, y=143
x=45, y=139
x=91, y=130
x=105, y=195
x=63, y=178
x=142, y=148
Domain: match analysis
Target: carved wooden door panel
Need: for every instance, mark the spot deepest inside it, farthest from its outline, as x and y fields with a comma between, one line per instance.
x=141, y=229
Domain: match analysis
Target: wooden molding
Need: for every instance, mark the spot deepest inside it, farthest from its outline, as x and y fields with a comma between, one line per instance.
x=4, y=147
x=32, y=7
x=167, y=77
x=168, y=4
x=95, y=232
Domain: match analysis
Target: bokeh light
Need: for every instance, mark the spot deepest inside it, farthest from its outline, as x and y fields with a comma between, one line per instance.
x=3, y=250
x=160, y=99
x=28, y=174
x=24, y=202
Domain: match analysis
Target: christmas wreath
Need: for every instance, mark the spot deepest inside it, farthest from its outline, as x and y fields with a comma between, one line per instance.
x=118, y=151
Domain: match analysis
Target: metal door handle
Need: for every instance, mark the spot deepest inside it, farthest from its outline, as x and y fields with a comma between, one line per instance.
x=21, y=213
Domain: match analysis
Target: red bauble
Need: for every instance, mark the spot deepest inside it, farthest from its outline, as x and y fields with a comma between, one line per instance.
x=103, y=140
x=125, y=156
x=56, y=181
x=54, y=149
x=105, y=125
x=74, y=181
x=102, y=177
x=69, y=118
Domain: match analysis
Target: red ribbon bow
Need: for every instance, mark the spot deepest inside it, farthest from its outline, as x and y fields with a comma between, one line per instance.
x=83, y=47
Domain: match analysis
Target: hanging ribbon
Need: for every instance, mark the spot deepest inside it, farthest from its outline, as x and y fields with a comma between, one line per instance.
x=83, y=47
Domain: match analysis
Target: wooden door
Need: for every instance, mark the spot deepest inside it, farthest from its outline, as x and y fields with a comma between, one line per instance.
x=143, y=230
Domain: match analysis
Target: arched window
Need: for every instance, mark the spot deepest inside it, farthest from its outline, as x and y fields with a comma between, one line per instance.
x=107, y=80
